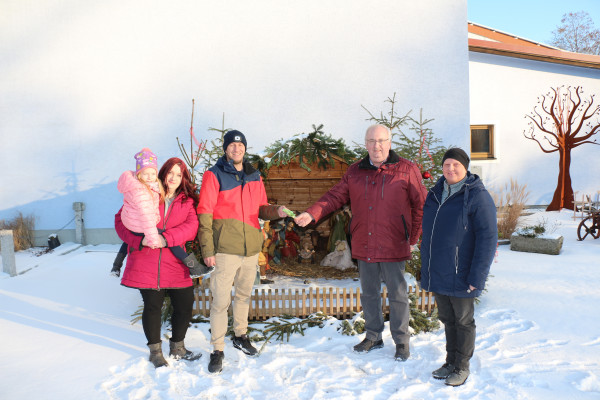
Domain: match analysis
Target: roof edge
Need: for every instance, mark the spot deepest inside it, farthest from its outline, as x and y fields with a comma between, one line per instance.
x=504, y=37
x=537, y=53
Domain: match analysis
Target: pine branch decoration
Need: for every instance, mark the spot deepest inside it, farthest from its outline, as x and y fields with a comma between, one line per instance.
x=286, y=328
x=316, y=147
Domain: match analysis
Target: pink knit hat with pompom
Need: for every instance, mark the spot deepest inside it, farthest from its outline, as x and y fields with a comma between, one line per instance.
x=145, y=159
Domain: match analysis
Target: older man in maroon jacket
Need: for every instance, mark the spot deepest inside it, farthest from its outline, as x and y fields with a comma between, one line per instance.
x=386, y=196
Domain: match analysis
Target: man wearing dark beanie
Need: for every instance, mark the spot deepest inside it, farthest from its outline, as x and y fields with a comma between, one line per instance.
x=232, y=199
x=459, y=242
x=457, y=154
x=232, y=137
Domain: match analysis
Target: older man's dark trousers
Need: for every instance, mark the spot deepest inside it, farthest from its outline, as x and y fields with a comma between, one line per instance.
x=456, y=313
x=392, y=274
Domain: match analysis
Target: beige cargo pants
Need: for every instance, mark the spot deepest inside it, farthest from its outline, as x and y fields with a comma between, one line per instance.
x=240, y=272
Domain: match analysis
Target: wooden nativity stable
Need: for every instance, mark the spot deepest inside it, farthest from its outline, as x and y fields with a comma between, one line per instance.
x=297, y=188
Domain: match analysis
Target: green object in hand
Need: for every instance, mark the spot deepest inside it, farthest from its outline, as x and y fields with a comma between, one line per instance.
x=289, y=212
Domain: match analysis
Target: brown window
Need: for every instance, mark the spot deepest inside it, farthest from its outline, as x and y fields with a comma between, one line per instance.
x=482, y=142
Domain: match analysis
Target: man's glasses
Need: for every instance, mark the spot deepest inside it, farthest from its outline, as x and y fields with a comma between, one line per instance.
x=372, y=142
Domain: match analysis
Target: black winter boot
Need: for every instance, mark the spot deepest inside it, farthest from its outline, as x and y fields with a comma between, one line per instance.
x=367, y=345
x=196, y=268
x=178, y=351
x=457, y=377
x=118, y=264
x=443, y=372
x=156, y=355
x=402, y=352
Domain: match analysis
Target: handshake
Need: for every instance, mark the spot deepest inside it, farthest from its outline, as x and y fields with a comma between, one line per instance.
x=302, y=219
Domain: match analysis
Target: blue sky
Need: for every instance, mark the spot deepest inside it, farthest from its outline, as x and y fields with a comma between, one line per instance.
x=530, y=19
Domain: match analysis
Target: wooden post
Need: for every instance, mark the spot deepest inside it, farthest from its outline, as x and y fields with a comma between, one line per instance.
x=384, y=296
x=7, y=243
x=351, y=292
x=79, y=207
x=196, y=301
x=264, y=304
x=304, y=302
x=330, y=301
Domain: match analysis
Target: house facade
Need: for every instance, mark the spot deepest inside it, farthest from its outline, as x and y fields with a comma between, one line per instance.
x=83, y=91
x=85, y=87
x=507, y=75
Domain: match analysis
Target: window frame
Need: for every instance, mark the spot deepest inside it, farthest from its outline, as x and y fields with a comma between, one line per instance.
x=491, y=154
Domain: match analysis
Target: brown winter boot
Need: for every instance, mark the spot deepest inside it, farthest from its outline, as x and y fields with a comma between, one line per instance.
x=178, y=351
x=156, y=355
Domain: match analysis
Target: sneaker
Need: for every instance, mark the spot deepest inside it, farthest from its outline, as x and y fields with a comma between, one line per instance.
x=457, y=377
x=402, y=352
x=367, y=345
x=216, y=362
x=243, y=343
x=443, y=371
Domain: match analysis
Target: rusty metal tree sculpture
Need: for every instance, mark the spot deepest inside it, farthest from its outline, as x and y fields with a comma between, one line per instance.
x=564, y=120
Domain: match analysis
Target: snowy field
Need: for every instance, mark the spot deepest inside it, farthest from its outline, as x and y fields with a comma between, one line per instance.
x=66, y=334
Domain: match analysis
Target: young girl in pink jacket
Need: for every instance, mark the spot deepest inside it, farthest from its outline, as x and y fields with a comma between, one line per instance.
x=142, y=195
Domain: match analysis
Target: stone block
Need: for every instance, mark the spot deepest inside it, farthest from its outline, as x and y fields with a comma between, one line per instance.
x=543, y=245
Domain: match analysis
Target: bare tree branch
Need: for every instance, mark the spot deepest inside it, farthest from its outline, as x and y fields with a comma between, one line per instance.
x=577, y=33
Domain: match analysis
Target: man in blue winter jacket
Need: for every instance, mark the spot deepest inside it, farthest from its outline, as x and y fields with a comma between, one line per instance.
x=459, y=243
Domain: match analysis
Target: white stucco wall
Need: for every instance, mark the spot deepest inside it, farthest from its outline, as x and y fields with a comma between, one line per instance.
x=502, y=91
x=85, y=85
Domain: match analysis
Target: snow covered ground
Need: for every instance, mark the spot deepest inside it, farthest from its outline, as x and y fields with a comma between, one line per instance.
x=66, y=334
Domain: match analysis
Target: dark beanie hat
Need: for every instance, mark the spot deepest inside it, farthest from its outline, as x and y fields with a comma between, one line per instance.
x=458, y=155
x=234, y=136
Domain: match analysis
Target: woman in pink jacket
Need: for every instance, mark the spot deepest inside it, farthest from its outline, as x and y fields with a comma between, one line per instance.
x=142, y=195
x=157, y=271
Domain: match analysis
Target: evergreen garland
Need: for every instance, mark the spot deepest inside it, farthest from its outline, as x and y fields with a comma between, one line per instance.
x=283, y=327
x=352, y=327
x=419, y=320
x=315, y=147
x=280, y=328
